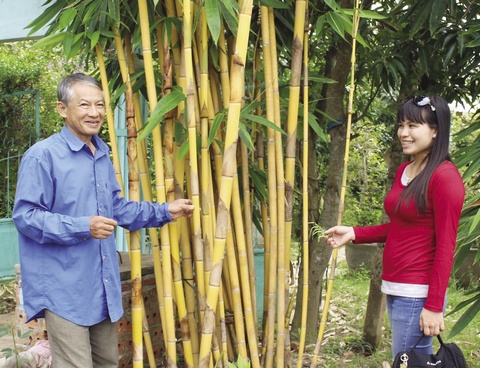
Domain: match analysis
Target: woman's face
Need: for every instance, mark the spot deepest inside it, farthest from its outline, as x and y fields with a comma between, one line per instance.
x=417, y=139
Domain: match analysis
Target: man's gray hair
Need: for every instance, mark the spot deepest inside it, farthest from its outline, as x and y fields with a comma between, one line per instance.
x=64, y=91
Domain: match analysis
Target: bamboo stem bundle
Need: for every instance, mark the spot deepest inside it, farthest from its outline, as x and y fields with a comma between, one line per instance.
x=305, y=248
x=228, y=171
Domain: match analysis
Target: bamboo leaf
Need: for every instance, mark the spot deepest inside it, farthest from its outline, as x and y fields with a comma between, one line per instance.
x=46, y=16
x=67, y=17
x=312, y=121
x=94, y=37
x=245, y=137
x=275, y=4
x=335, y=21
x=332, y=4
x=263, y=121
x=475, y=222
x=229, y=12
x=467, y=317
x=50, y=41
x=166, y=104
x=183, y=149
x=213, y=18
x=217, y=120
x=367, y=14
x=259, y=181
x=67, y=43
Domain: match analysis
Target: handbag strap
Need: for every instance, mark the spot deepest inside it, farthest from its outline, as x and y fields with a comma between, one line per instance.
x=423, y=335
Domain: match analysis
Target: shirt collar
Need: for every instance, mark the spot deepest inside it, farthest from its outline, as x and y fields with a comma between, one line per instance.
x=76, y=144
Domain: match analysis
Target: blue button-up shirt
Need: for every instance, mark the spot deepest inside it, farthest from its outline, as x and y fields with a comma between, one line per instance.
x=61, y=184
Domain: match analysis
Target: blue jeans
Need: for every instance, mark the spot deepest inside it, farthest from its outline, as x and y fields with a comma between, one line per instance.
x=404, y=315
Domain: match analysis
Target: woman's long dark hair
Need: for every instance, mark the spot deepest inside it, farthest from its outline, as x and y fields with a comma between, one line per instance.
x=439, y=120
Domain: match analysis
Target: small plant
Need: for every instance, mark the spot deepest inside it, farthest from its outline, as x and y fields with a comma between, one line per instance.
x=239, y=364
x=16, y=334
x=318, y=231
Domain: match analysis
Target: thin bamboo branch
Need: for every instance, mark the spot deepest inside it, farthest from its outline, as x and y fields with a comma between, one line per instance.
x=356, y=19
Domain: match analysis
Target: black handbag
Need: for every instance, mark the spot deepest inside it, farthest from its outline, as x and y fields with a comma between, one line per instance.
x=448, y=356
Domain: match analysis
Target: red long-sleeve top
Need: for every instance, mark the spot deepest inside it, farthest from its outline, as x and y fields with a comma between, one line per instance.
x=419, y=248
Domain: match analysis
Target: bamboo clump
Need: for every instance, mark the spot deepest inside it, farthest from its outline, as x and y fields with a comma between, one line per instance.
x=206, y=147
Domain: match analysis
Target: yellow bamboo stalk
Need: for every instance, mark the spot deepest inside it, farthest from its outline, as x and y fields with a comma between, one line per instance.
x=269, y=334
x=192, y=144
x=356, y=18
x=305, y=247
x=174, y=235
x=160, y=182
x=170, y=8
x=292, y=117
x=248, y=221
x=228, y=170
x=281, y=295
x=237, y=298
x=290, y=150
x=244, y=275
x=135, y=242
x=109, y=115
x=259, y=152
x=122, y=61
x=146, y=185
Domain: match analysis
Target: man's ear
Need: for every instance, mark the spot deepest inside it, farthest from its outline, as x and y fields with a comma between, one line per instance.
x=62, y=109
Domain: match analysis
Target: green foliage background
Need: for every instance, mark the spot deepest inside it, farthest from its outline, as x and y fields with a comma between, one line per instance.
x=25, y=69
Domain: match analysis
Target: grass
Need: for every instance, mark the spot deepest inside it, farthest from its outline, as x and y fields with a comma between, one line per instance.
x=343, y=345
x=7, y=296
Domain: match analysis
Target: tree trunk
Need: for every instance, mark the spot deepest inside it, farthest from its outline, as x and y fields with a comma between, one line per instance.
x=338, y=67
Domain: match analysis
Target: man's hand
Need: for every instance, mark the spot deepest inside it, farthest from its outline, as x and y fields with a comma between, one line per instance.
x=180, y=207
x=431, y=323
x=101, y=227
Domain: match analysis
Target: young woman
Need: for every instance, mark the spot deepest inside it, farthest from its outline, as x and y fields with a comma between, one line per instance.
x=424, y=206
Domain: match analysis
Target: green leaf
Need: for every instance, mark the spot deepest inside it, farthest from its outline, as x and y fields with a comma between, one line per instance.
x=67, y=43
x=229, y=10
x=437, y=13
x=94, y=37
x=245, y=137
x=335, y=21
x=183, y=149
x=420, y=19
x=312, y=121
x=66, y=18
x=46, y=16
x=166, y=104
x=50, y=41
x=275, y=4
x=367, y=14
x=263, y=121
x=213, y=19
x=217, y=120
x=332, y=4
x=475, y=222
x=467, y=317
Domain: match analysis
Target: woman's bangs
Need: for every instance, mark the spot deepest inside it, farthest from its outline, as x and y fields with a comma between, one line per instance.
x=409, y=112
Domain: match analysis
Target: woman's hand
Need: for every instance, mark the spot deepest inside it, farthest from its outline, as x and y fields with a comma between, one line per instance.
x=431, y=323
x=339, y=235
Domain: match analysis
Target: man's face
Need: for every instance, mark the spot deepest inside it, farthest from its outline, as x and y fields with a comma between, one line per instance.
x=85, y=112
